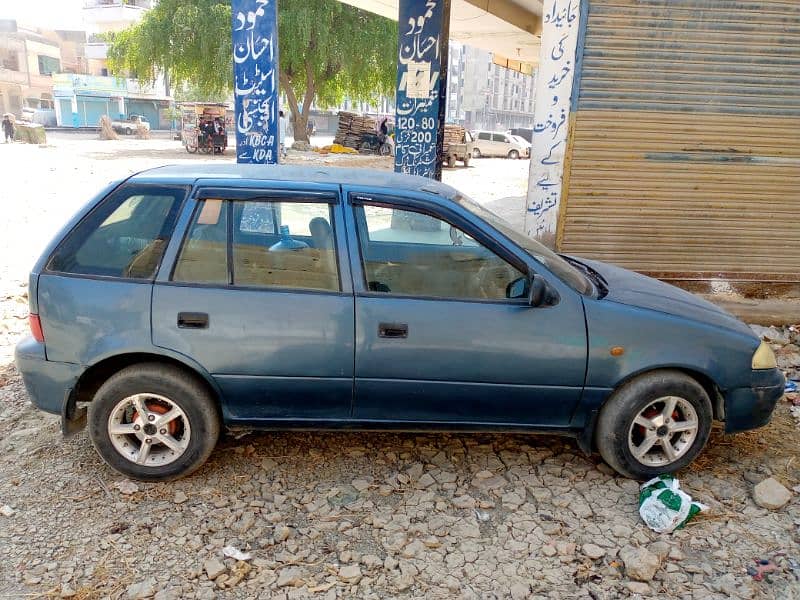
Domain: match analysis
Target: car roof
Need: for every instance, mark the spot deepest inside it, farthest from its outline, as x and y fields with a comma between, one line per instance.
x=189, y=173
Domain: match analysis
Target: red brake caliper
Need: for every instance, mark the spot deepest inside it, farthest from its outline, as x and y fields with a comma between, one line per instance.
x=172, y=426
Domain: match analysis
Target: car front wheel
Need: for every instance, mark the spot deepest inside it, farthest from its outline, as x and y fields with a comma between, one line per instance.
x=513, y=155
x=656, y=423
x=476, y=153
x=153, y=422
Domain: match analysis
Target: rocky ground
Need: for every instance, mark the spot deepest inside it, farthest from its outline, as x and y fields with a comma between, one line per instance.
x=371, y=515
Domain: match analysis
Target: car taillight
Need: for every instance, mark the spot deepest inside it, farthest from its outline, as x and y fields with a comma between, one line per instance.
x=36, y=328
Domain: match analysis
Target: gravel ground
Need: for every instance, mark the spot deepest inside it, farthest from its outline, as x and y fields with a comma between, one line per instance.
x=366, y=515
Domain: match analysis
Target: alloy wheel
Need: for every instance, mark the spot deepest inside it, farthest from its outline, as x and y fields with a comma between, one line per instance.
x=149, y=430
x=663, y=431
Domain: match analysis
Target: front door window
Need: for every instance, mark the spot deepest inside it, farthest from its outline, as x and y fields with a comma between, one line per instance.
x=408, y=253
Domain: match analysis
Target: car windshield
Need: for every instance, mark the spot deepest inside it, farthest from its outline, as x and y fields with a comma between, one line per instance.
x=569, y=274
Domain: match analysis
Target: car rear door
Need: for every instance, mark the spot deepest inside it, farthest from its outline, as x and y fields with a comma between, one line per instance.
x=268, y=315
x=437, y=340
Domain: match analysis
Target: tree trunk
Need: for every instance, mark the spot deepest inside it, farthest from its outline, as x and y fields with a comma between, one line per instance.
x=299, y=114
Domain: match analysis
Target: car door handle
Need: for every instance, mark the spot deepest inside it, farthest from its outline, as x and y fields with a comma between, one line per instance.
x=192, y=320
x=393, y=330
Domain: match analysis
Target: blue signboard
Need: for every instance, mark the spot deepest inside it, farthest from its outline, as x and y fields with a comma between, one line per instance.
x=255, y=76
x=421, y=78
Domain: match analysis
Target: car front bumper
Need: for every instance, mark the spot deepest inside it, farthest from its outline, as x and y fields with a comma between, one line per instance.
x=48, y=382
x=751, y=407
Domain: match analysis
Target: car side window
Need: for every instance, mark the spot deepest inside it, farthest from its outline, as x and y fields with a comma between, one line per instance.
x=204, y=255
x=273, y=245
x=484, y=136
x=124, y=236
x=499, y=137
x=405, y=252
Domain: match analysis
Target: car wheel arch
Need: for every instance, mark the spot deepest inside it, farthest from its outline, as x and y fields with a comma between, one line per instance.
x=586, y=437
x=94, y=376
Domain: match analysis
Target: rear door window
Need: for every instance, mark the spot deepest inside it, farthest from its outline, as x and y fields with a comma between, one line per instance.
x=484, y=136
x=273, y=245
x=124, y=236
x=499, y=137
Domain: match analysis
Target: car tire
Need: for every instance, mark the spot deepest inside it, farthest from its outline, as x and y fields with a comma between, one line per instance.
x=635, y=426
x=158, y=389
x=466, y=161
x=513, y=154
x=128, y=131
x=451, y=161
x=476, y=153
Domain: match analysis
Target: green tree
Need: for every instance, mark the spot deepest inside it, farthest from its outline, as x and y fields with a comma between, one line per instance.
x=328, y=50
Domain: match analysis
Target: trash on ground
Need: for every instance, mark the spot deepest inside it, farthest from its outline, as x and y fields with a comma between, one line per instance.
x=233, y=552
x=664, y=507
x=762, y=569
x=126, y=486
x=790, y=388
x=6, y=510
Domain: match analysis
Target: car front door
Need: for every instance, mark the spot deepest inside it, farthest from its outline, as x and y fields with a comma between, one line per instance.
x=437, y=338
x=256, y=297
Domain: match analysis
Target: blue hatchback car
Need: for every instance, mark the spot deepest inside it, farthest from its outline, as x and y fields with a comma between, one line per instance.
x=184, y=299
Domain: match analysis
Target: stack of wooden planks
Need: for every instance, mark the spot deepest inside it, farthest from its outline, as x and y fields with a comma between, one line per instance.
x=352, y=127
x=453, y=134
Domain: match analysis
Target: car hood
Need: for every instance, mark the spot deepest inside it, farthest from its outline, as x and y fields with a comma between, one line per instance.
x=634, y=289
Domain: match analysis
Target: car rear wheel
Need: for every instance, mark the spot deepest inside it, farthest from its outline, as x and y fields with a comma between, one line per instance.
x=513, y=154
x=153, y=422
x=128, y=131
x=657, y=423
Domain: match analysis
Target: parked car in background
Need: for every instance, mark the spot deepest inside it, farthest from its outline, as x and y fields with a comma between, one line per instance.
x=523, y=142
x=497, y=143
x=525, y=133
x=131, y=124
x=189, y=298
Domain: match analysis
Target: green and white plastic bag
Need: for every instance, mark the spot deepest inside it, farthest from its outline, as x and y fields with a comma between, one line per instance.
x=664, y=506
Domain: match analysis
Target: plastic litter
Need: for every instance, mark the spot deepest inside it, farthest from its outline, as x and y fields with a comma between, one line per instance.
x=235, y=553
x=664, y=507
x=790, y=388
x=762, y=569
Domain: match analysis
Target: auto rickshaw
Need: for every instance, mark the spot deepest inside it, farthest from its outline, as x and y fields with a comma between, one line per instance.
x=204, y=127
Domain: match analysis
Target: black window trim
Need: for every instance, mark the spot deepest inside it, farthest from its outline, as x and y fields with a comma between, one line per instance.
x=360, y=200
x=117, y=190
x=229, y=248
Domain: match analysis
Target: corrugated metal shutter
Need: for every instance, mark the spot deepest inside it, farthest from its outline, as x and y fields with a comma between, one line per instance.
x=684, y=157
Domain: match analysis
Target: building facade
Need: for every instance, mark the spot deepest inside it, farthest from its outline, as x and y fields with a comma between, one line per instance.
x=28, y=58
x=485, y=95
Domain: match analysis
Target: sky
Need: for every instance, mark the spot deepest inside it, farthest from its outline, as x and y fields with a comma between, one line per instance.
x=48, y=14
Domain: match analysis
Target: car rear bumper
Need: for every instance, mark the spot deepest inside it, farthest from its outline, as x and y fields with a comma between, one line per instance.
x=48, y=382
x=752, y=407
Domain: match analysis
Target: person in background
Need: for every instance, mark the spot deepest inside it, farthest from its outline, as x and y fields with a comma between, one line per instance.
x=8, y=129
x=282, y=125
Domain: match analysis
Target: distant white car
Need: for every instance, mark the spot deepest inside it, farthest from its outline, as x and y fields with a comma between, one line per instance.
x=130, y=125
x=498, y=143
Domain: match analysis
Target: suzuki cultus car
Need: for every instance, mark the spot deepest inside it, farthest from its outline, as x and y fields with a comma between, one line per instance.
x=187, y=299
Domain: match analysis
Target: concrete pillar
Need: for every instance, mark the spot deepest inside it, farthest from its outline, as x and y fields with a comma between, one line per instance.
x=255, y=77
x=424, y=31
x=552, y=104
x=76, y=119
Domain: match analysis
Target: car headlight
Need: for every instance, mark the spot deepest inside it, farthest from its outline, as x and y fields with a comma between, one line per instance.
x=764, y=357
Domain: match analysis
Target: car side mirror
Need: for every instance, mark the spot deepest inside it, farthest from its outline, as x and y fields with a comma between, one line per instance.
x=537, y=291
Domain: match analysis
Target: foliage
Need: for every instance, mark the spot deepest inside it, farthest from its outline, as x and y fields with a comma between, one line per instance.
x=327, y=50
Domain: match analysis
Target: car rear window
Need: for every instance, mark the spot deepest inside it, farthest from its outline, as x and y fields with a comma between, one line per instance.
x=124, y=236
